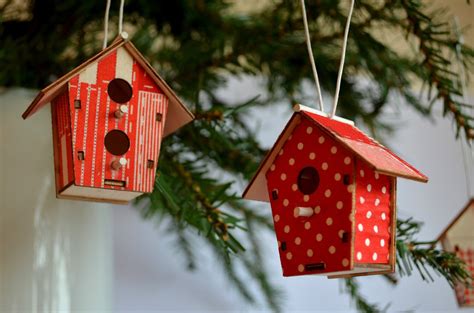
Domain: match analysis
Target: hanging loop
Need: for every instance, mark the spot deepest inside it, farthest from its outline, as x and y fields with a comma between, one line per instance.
x=106, y=21
x=311, y=57
x=313, y=63
x=343, y=58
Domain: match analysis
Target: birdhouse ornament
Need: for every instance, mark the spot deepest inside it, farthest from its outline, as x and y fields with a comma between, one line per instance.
x=458, y=238
x=109, y=116
x=332, y=191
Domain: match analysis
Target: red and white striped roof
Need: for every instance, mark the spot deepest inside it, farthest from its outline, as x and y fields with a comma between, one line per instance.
x=179, y=115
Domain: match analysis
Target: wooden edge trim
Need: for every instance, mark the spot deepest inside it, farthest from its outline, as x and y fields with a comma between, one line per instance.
x=349, y=275
x=373, y=265
x=32, y=106
x=415, y=178
x=353, y=214
x=38, y=101
x=456, y=218
x=268, y=156
x=64, y=188
x=69, y=117
x=393, y=223
x=113, y=201
x=54, y=129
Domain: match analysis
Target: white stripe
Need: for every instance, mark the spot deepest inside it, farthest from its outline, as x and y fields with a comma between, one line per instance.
x=89, y=75
x=136, y=142
x=84, y=142
x=124, y=65
x=104, y=152
x=94, y=149
x=153, y=139
x=145, y=140
x=128, y=160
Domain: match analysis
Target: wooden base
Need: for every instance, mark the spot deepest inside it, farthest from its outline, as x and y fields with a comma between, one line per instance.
x=73, y=192
x=364, y=270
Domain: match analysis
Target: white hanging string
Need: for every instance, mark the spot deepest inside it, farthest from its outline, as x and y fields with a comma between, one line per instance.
x=341, y=64
x=343, y=58
x=121, y=16
x=311, y=57
x=106, y=21
x=467, y=149
x=106, y=24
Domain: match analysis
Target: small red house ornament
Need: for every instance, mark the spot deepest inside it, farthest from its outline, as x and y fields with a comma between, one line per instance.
x=109, y=116
x=458, y=238
x=332, y=191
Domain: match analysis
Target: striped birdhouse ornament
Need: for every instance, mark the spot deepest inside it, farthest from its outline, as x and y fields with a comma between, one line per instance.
x=109, y=116
x=458, y=238
x=332, y=191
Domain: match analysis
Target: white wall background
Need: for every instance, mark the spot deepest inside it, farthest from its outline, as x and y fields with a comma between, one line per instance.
x=151, y=276
x=55, y=255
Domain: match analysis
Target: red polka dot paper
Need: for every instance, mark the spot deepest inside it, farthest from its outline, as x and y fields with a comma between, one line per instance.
x=465, y=296
x=372, y=236
x=309, y=241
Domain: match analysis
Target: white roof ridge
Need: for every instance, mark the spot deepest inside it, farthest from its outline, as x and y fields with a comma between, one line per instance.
x=299, y=107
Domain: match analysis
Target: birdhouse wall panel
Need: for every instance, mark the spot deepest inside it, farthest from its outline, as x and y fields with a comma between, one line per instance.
x=319, y=241
x=97, y=117
x=373, y=216
x=461, y=233
x=464, y=295
x=146, y=132
x=459, y=239
x=63, y=140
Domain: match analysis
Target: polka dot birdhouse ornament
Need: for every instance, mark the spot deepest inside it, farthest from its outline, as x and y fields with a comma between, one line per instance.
x=458, y=238
x=109, y=116
x=332, y=191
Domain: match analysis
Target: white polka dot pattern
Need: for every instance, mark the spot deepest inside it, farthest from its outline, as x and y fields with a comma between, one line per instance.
x=318, y=237
x=372, y=216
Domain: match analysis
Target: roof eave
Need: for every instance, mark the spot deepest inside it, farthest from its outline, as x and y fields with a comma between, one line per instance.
x=420, y=177
x=258, y=181
x=49, y=92
x=469, y=204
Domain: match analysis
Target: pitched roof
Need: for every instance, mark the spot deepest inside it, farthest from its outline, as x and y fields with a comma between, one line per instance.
x=179, y=114
x=469, y=204
x=344, y=132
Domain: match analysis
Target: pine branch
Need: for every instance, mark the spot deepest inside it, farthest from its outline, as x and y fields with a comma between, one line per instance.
x=434, y=37
x=426, y=258
x=272, y=295
x=196, y=203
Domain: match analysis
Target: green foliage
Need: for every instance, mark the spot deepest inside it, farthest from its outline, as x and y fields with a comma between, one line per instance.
x=426, y=258
x=423, y=256
x=197, y=46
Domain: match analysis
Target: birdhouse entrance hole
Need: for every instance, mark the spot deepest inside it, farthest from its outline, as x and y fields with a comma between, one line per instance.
x=308, y=180
x=119, y=90
x=117, y=142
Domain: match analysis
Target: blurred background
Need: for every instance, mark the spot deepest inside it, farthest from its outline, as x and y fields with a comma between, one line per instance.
x=69, y=256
